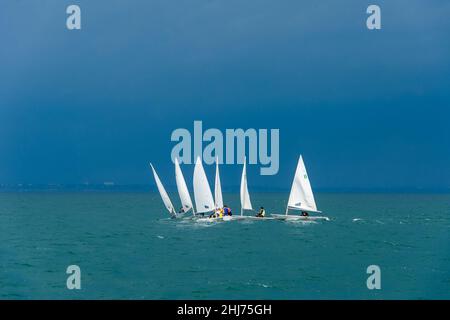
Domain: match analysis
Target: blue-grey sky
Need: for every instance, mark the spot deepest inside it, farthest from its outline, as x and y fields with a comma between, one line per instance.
x=367, y=109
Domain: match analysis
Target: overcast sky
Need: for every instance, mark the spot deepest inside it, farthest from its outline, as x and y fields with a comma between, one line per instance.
x=367, y=109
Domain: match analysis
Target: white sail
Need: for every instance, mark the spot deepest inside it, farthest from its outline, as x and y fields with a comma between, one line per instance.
x=217, y=188
x=245, y=197
x=183, y=191
x=204, y=201
x=301, y=196
x=163, y=193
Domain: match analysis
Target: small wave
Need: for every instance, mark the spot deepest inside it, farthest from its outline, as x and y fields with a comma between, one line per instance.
x=301, y=222
x=258, y=284
x=160, y=237
x=197, y=224
x=24, y=264
x=357, y=219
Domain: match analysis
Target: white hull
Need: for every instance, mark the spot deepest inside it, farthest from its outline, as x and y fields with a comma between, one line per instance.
x=230, y=218
x=298, y=217
x=284, y=217
x=259, y=218
x=213, y=220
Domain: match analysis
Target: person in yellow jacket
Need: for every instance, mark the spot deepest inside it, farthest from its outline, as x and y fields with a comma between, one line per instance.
x=218, y=213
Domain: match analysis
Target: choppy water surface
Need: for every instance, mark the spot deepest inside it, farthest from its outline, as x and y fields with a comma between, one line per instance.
x=127, y=248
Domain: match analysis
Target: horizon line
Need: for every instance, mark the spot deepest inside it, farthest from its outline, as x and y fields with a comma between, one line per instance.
x=112, y=187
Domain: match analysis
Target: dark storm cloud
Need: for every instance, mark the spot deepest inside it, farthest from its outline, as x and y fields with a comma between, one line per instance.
x=366, y=108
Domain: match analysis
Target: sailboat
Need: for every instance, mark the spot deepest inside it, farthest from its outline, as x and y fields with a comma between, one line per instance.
x=164, y=196
x=203, y=196
x=301, y=197
x=183, y=191
x=245, y=196
x=218, y=199
x=204, y=201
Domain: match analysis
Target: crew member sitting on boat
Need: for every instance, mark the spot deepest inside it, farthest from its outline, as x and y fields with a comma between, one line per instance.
x=261, y=213
x=218, y=213
x=305, y=214
x=227, y=211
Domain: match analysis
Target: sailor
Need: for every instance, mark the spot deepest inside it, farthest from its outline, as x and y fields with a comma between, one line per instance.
x=261, y=213
x=305, y=214
x=181, y=210
x=218, y=213
x=226, y=211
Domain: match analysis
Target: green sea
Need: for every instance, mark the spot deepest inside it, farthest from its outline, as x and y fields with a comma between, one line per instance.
x=127, y=247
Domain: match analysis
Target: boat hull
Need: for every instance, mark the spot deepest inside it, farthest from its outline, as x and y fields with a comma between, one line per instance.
x=214, y=220
x=297, y=217
x=231, y=218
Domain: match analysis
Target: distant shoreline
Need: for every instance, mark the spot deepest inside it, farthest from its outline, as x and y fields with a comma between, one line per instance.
x=152, y=189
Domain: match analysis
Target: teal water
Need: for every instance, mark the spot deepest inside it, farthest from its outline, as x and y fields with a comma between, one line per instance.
x=127, y=248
